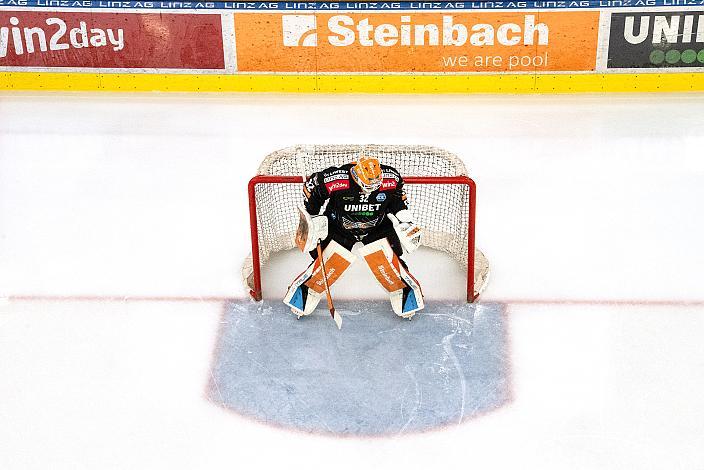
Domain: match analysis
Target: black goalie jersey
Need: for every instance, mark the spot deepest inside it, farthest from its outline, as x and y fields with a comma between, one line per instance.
x=350, y=210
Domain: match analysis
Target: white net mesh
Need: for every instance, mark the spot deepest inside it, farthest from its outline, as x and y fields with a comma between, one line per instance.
x=442, y=210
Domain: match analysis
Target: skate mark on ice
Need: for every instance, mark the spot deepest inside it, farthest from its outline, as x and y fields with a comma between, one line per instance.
x=419, y=400
x=447, y=345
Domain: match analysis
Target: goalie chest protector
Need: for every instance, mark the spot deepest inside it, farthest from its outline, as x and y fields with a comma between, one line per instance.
x=349, y=208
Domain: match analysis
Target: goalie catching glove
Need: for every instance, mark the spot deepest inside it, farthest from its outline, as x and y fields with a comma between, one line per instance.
x=410, y=234
x=311, y=229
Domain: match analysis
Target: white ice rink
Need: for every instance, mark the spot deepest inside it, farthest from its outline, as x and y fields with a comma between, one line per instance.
x=123, y=225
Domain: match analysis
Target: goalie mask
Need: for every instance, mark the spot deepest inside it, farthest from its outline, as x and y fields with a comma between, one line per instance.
x=367, y=173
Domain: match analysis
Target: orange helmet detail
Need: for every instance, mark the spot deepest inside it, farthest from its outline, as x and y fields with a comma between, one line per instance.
x=367, y=173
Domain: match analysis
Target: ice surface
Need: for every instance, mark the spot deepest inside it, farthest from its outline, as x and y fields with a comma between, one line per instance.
x=379, y=375
x=581, y=200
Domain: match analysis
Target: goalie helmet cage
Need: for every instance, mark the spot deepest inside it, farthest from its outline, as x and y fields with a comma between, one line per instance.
x=440, y=194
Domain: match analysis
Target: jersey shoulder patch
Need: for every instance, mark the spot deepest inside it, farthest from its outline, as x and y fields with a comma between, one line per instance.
x=336, y=179
x=391, y=178
x=309, y=186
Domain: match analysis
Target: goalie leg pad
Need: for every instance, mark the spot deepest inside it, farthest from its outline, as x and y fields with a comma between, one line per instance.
x=404, y=290
x=337, y=260
x=308, y=288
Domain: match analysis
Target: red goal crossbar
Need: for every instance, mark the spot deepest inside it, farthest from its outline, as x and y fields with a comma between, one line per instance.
x=256, y=292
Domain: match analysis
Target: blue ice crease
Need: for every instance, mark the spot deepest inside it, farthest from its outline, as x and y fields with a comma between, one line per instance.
x=379, y=375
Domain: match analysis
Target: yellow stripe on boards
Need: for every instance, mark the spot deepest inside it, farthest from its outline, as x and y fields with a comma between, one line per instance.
x=508, y=83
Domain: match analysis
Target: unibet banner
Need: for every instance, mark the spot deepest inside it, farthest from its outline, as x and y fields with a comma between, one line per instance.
x=417, y=42
x=656, y=40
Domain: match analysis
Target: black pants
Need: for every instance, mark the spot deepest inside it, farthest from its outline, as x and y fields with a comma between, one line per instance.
x=384, y=230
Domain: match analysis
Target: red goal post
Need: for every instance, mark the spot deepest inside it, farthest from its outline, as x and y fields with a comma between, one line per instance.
x=440, y=194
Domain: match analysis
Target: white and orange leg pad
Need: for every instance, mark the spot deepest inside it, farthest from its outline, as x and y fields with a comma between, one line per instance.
x=309, y=287
x=404, y=291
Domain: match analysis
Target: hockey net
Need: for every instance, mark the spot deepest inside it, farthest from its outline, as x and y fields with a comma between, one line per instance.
x=440, y=195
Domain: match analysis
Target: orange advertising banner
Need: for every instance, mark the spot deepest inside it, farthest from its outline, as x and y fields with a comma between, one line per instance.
x=417, y=42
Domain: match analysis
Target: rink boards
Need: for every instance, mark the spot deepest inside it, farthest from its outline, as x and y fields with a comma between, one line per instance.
x=384, y=47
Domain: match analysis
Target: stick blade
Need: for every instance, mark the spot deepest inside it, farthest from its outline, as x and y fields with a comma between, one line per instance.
x=338, y=319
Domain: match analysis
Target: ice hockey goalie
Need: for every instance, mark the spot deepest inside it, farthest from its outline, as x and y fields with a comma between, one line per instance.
x=366, y=203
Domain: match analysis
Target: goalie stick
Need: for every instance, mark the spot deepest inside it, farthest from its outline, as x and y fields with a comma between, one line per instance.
x=335, y=316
